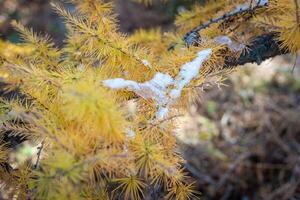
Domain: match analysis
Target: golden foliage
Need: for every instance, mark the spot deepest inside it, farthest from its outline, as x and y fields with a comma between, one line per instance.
x=132, y=187
x=95, y=145
x=284, y=17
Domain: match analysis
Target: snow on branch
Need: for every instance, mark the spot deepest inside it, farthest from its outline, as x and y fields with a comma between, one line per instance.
x=232, y=45
x=192, y=36
x=162, y=88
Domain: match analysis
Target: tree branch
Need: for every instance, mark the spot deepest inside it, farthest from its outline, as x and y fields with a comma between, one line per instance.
x=193, y=36
x=261, y=48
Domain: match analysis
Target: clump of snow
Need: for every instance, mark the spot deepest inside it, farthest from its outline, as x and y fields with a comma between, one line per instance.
x=119, y=83
x=262, y=2
x=165, y=90
x=232, y=45
x=158, y=88
x=146, y=63
x=188, y=72
x=162, y=111
x=155, y=88
x=130, y=133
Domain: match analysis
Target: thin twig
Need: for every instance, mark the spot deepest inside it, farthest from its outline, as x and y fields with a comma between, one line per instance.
x=152, y=125
x=200, y=176
x=231, y=169
x=297, y=11
x=164, y=120
x=251, y=2
x=39, y=154
x=295, y=63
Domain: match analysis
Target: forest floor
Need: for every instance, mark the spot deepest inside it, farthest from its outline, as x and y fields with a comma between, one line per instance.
x=242, y=141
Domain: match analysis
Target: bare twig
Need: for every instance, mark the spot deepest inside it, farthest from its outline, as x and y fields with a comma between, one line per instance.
x=164, y=120
x=39, y=154
x=274, y=136
x=295, y=63
x=231, y=169
x=251, y=2
x=297, y=11
x=200, y=176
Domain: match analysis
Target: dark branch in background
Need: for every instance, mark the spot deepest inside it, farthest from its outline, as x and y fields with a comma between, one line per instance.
x=261, y=48
x=193, y=36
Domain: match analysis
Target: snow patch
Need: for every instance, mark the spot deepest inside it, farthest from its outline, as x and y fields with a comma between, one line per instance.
x=146, y=63
x=232, y=45
x=158, y=88
x=188, y=72
x=130, y=133
x=155, y=88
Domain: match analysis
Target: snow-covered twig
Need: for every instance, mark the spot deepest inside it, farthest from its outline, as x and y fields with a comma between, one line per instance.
x=191, y=37
x=162, y=88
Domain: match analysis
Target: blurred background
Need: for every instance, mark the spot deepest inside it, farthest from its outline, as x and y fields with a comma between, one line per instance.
x=131, y=15
x=242, y=139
